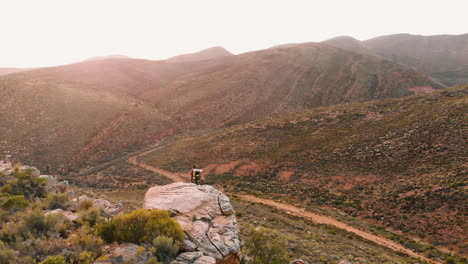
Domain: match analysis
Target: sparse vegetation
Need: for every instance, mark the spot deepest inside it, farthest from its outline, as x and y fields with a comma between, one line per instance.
x=266, y=246
x=30, y=234
x=398, y=163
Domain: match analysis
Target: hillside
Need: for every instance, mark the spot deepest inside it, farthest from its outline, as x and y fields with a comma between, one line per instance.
x=79, y=113
x=400, y=163
x=349, y=43
x=254, y=85
x=443, y=57
x=206, y=54
x=4, y=71
x=82, y=114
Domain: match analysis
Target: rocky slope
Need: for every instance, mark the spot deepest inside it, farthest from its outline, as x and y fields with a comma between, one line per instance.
x=207, y=217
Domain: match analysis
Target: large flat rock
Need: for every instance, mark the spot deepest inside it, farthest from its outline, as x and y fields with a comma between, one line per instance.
x=205, y=214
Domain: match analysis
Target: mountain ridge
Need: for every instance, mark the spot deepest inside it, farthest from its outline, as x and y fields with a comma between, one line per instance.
x=443, y=57
x=206, y=54
x=138, y=102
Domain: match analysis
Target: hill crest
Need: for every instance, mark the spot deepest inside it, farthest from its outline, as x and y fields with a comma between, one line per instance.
x=206, y=54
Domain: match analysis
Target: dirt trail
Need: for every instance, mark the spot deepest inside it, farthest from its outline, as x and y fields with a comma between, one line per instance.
x=322, y=219
x=176, y=177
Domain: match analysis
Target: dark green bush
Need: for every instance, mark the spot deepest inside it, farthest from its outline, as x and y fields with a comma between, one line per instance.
x=140, y=226
x=56, y=201
x=85, y=204
x=14, y=203
x=166, y=248
x=266, y=246
x=34, y=224
x=89, y=216
x=25, y=183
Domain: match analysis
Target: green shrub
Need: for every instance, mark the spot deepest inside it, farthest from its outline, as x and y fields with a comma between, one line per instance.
x=106, y=230
x=28, y=185
x=140, y=226
x=266, y=246
x=35, y=224
x=89, y=216
x=6, y=254
x=153, y=261
x=55, y=260
x=56, y=201
x=84, y=240
x=85, y=204
x=166, y=248
x=14, y=203
x=6, y=189
x=86, y=257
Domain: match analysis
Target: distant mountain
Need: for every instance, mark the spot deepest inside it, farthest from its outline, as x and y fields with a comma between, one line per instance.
x=400, y=162
x=207, y=54
x=80, y=114
x=114, y=56
x=4, y=71
x=443, y=57
x=349, y=43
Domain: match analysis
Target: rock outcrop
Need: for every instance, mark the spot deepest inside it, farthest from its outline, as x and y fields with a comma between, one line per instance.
x=207, y=217
x=71, y=216
x=107, y=208
x=5, y=167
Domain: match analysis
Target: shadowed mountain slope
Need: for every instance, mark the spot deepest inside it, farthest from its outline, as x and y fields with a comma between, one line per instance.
x=443, y=57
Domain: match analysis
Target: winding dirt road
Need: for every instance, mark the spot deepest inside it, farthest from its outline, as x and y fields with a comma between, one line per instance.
x=299, y=212
x=326, y=220
x=176, y=177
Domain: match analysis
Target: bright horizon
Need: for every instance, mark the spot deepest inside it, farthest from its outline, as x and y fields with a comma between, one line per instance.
x=55, y=32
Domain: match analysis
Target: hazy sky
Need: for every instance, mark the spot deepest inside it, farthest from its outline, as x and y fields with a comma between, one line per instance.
x=52, y=32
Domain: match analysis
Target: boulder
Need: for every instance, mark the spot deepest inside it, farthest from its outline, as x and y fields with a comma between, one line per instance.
x=187, y=257
x=53, y=185
x=205, y=214
x=298, y=261
x=50, y=179
x=5, y=167
x=194, y=258
x=34, y=170
x=126, y=253
x=107, y=207
x=225, y=205
x=205, y=260
x=68, y=215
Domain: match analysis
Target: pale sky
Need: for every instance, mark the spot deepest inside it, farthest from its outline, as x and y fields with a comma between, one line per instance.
x=38, y=33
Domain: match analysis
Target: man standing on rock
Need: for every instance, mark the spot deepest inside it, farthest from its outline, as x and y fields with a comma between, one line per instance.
x=195, y=175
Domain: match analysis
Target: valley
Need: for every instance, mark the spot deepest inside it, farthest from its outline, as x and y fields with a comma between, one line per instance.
x=345, y=151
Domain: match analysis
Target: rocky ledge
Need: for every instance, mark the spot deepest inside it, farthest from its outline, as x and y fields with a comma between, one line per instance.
x=207, y=217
